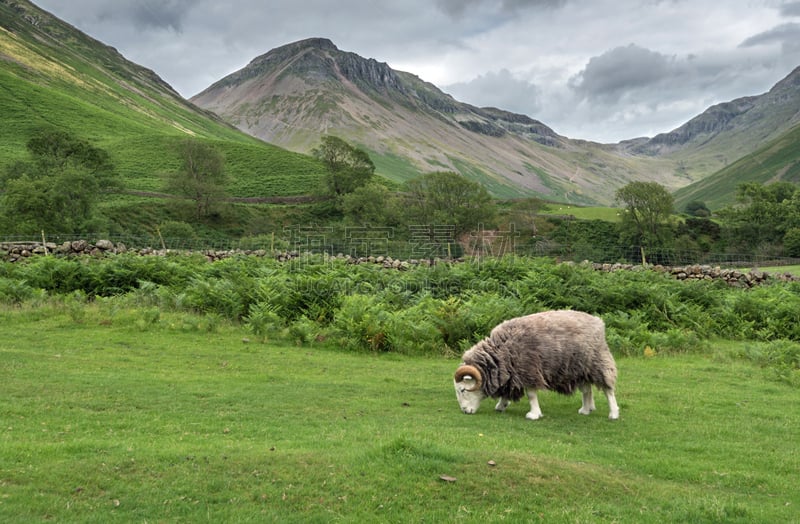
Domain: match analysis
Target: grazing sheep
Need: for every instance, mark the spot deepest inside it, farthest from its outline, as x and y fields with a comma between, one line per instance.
x=556, y=350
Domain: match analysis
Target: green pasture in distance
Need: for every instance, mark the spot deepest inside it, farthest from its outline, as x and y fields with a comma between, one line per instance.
x=609, y=214
x=117, y=414
x=792, y=270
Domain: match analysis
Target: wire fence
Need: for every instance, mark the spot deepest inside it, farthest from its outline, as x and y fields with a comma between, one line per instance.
x=367, y=244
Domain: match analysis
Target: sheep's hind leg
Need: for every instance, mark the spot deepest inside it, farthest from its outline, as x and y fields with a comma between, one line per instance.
x=536, y=412
x=587, y=399
x=502, y=404
x=613, y=408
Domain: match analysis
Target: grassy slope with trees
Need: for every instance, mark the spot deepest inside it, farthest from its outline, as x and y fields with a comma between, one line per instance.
x=54, y=76
x=89, y=90
x=777, y=161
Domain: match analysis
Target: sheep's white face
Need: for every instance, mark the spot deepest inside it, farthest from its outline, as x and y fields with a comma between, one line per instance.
x=468, y=394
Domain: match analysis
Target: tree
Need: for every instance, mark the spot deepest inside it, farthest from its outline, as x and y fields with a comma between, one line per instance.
x=372, y=204
x=201, y=177
x=648, y=206
x=696, y=208
x=57, y=189
x=447, y=198
x=523, y=213
x=764, y=214
x=348, y=167
x=791, y=242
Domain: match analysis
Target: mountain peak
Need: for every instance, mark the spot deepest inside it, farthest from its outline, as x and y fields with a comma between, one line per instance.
x=294, y=49
x=308, y=43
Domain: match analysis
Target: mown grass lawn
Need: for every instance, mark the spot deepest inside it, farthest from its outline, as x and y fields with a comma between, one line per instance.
x=127, y=422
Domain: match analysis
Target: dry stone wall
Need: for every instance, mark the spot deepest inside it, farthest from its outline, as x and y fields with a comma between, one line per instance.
x=16, y=251
x=733, y=276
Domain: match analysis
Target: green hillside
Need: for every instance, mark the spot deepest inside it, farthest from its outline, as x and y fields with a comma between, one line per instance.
x=779, y=160
x=51, y=74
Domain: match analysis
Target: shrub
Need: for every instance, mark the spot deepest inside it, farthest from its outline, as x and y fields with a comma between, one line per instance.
x=486, y=310
x=627, y=333
x=412, y=331
x=791, y=242
x=435, y=310
x=177, y=235
x=781, y=357
x=215, y=296
x=16, y=291
x=361, y=323
x=262, y=320
x=303, y=331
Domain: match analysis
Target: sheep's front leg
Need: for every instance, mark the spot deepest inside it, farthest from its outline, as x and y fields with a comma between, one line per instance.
x=536, y=412
x=613, y=408
x=587, y=400
x=502, y=404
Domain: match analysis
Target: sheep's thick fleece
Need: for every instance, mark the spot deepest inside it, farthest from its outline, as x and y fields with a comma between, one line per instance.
x=553, y=350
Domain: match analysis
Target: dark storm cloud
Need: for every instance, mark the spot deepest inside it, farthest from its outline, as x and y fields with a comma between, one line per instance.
x=790, y=9
x=160, y=14
x=608, y=76
x=143, y=14
x=787, y=35
x=457, y=8
x=500, y=89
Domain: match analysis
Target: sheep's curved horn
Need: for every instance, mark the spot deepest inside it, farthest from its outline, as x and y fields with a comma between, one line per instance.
x=469, y=371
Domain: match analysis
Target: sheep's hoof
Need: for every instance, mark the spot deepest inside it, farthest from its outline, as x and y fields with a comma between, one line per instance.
x=533, y=416
x=584, y=411
x=613, y=416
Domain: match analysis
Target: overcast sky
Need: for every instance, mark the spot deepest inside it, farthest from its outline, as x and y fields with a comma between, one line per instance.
x=603, y=70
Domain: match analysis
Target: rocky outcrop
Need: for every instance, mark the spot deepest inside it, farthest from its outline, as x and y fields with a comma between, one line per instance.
x=766, y=115
x=701, y=128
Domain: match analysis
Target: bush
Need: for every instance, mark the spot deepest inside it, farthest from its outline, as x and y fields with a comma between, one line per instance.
x=698, y=209
x=16, y=291
x=413, y=331
x=791, y=242
x=434, y=310
x=781, y=357
x=215, y=296
x=362, y=323
x=176, y=234
x=262, y=320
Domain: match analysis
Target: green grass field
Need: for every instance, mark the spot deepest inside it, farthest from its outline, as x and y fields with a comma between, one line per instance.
x=609, y=214
x=122, y=415
x=792, y=270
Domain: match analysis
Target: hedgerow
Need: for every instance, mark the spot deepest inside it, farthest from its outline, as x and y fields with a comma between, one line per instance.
x=423, y=310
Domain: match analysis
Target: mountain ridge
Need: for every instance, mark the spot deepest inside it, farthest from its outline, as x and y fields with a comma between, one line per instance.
x=728, y=116
x=300, y=91
x=295, y=93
